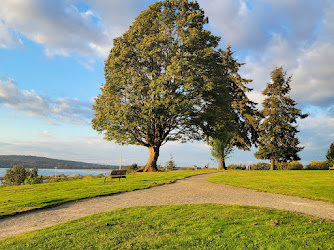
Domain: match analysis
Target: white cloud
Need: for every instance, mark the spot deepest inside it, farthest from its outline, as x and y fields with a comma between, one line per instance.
x=57, y=25
x=65, y=109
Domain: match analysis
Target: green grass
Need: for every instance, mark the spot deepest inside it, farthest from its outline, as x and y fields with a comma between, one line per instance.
x=205, y=226
x=15, y=199
x=316, y=185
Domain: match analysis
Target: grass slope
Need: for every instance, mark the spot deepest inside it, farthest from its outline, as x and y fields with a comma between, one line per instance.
x=316, y=185
x=205, y=226
x=15, y=199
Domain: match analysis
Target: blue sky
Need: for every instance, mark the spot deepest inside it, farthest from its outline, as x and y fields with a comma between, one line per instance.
x=52, y=58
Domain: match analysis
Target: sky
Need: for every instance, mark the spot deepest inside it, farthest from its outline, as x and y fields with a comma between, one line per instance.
x=52, y=66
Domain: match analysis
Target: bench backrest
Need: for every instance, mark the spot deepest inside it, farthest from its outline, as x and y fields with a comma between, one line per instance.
x=118, y=172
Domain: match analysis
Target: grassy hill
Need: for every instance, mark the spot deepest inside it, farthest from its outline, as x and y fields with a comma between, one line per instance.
x=8, y=161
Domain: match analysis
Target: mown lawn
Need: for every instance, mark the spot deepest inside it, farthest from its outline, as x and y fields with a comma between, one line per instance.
x=316, y=185
x=17, y=199
x=204, y=226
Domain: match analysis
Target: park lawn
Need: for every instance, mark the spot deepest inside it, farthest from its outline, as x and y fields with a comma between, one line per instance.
x=316, y=185
x=16, y=199
x=200, y=226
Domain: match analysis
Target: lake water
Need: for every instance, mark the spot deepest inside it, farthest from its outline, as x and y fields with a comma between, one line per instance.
x=48, y=172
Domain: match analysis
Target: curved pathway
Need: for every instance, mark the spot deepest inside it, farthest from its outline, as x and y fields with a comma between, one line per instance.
x=192, y=190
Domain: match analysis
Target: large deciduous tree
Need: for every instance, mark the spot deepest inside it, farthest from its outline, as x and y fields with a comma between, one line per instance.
x=156, y=75
x=278, y=141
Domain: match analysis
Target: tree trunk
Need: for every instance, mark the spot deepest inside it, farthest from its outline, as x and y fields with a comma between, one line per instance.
x=272, y=164
x=151, y=164
x=221, y=164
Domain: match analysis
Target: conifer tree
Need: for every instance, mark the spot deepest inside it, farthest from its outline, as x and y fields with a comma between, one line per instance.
x=278, y=130
x=330, y=155
x=236, y=126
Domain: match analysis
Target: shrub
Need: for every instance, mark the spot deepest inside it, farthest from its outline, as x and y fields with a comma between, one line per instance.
x=281, y=165
x=295, y=165
x=317, y=165
x=132, y=168
x=18, y=175
x=190, y=168
x=236, y=166
x=15, y=175
x=260, y=166
x=33, y=180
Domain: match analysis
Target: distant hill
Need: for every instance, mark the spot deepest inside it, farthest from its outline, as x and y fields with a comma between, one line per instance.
x=8, y=161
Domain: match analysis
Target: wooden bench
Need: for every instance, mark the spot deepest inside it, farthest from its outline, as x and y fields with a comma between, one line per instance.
x=116, y=174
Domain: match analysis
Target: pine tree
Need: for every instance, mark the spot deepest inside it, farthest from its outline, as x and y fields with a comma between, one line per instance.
x=236, y=126
x=278, y=141
x=330, y=155
x=171, y=164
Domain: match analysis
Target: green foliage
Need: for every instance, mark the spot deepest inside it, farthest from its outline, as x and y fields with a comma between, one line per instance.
x=33, y=180
x=14, y=199
x=295, y=165
x=278, y=139
x=132, y=168
x=171, y=164
x=222, y=147
x=330, y=155
x=281, y=165
x=156, y=75
x=200, y=226
x=316, y=185
x=236, y=166
x=317, y=165
x=260, y=166
x=166, y=80
x=16, y=175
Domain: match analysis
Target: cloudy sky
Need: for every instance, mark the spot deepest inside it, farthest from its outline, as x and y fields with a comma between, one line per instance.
x=52, y=58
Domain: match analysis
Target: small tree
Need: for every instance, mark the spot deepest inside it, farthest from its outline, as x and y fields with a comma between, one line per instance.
x=171, y=164
x=16, y=175
x=330, y=155
x=221, y=148
x=278, y=141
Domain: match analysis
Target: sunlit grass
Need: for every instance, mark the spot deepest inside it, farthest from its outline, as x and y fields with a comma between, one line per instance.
x=316, y=185
x=16, y=199
x=205, y=226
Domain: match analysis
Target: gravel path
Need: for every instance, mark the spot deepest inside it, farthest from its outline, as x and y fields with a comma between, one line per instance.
x=191, y=190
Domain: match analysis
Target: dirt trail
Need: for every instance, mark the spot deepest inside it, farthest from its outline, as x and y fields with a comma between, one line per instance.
x=191, y=190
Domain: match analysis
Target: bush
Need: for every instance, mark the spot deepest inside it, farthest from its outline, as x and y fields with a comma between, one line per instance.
x=281, y=165
x=236, y=166
x=260, y=166
x=190, y=168
x=18, y=175
x=317, y=165
x=295, y=165
x=132, y=168
x=33, y=180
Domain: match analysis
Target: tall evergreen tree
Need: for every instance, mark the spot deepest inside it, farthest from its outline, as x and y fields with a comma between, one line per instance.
x=236, y=125
x=278, y=141
x=330, y=155
x=161, y=77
